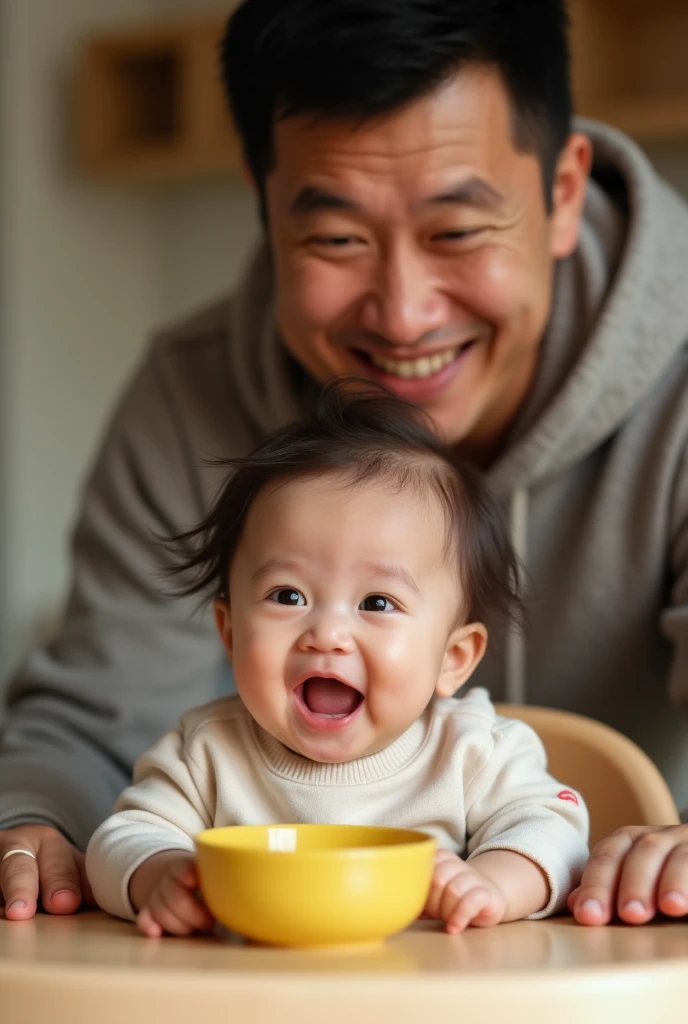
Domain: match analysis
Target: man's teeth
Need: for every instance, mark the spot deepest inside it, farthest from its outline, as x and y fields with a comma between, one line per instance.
x=413, y=368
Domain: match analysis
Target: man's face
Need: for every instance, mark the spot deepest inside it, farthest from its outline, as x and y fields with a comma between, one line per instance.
x=416, y=250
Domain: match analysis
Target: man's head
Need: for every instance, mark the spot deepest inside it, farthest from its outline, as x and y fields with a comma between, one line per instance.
x=419, y=181
x=356, y=572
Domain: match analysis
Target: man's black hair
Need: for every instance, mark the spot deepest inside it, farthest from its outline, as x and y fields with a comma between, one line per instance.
x=365, y=58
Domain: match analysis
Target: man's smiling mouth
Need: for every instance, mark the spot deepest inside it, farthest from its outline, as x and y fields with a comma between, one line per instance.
x=417, y=369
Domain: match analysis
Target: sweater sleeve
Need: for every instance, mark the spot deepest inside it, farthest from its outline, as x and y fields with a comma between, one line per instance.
x=164, y=808
x=130, y=657
x=512, y=803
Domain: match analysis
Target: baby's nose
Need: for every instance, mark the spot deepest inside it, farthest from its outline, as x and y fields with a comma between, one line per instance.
x=328, y=633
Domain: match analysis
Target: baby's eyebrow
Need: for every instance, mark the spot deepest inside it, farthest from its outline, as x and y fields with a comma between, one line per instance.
x=274, y=565
x=392, y=572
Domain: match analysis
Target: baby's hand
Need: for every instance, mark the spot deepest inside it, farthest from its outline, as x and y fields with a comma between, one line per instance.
x=461, y=896
x=163, y=890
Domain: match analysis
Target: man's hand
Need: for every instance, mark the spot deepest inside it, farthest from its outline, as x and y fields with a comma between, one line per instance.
x=163, y=891
x=461, y=896
x=57, y=875
x=636, y=873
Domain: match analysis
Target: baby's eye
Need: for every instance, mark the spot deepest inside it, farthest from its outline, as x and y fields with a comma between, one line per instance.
x=376, y=603
x=287, y=595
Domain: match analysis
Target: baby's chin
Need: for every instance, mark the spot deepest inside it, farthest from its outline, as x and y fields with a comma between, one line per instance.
x=329, y=752
x=325, y=756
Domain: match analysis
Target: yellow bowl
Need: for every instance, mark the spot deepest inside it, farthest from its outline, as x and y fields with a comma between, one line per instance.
x=315, y=885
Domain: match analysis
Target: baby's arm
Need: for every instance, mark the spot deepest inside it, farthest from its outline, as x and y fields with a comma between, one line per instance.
x=527, y=837
x=519, y=811
x=164, y=892
x=142, y=852
x=496, y=886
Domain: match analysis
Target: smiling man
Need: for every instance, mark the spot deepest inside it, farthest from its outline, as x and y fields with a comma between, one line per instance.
x=417, y=249
x=434, y=221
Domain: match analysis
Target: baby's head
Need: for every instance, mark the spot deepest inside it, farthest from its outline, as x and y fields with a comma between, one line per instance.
x=356, y=574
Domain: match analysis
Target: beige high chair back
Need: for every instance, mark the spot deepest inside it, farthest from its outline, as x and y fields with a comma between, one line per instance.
x=619, y=782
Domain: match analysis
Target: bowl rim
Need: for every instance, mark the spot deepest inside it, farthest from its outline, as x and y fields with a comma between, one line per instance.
x=409, y=839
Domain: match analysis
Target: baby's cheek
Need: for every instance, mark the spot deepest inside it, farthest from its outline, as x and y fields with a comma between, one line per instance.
x=255, y=658
x=399, y=692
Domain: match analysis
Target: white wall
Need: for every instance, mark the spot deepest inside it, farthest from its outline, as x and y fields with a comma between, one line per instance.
x=205, y=229
x=86, y=273
x=72, y=255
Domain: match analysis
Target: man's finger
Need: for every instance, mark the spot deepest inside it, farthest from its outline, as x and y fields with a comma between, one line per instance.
x=572, y=897
x=636, y=901
x=672, y=891
x=87, y=897
x=596, y=896
x=60, y=876
x=19, y=883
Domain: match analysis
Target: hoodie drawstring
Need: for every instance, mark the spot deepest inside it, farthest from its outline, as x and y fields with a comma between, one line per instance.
x=515, y=690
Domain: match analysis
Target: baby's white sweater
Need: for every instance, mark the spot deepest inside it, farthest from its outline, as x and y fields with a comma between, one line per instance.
x=474, y=780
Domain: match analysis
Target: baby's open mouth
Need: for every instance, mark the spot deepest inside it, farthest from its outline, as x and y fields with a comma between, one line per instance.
x=330, y=697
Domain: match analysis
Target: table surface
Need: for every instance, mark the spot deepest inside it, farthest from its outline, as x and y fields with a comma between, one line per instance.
x=531, y=970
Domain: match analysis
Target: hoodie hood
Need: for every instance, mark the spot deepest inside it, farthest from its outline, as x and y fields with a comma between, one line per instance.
x=619, y=317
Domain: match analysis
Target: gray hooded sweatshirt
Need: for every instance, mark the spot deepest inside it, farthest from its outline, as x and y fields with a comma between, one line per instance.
x=594, y=473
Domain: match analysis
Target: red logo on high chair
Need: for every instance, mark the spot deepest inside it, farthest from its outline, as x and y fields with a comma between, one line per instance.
x=566, y=794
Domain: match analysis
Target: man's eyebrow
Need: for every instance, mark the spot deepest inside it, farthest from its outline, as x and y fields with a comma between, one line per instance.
x=392, y=572
x=473, y=192
x=312, y=199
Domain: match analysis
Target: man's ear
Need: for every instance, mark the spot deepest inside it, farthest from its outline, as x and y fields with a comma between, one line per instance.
x=464, y=651
x=223, y=621
x=568, y=194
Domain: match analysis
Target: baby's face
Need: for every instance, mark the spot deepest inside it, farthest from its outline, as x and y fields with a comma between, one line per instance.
x=342, y=616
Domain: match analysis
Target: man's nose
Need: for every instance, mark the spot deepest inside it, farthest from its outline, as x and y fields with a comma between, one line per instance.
x=406, y=301
x=327, y=633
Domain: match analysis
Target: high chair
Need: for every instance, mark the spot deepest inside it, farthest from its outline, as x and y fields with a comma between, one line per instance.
x=619, y=782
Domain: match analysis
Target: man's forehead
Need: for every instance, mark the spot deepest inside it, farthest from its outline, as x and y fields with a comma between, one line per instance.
x=450, y=146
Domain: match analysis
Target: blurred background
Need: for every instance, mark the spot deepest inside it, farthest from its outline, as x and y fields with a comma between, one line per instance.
x=89, y=268
x=122, y=206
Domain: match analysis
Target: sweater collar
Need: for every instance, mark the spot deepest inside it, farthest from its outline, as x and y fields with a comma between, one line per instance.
x=294, y=767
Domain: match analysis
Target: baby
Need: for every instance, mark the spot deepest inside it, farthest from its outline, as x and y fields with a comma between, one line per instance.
x=356, y=574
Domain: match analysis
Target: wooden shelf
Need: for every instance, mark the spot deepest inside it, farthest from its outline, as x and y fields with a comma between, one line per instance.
x=630, y=66
x=646, y=120
x=150, y=104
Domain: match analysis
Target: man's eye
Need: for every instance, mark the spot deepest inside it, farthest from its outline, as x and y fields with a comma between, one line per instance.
x=458, y=236
x=334, y=241
x=376, y=603
x=287, y=595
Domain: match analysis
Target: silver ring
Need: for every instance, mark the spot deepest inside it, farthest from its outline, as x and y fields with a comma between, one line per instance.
x=11, y=853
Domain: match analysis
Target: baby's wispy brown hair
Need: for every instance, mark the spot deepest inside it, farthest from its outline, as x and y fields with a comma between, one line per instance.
x=361, y=432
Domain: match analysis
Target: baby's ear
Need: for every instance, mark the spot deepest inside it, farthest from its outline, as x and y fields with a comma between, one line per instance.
x=223, y=621
x=464, y=651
